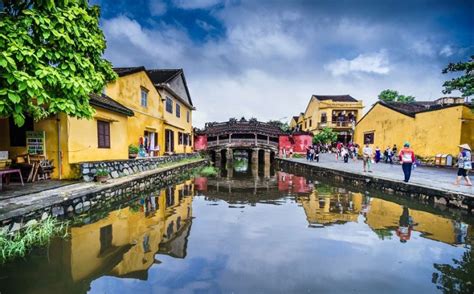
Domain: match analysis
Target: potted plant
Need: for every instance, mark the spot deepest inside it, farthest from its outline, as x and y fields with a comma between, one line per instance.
x=102, y=175
x=132, y=151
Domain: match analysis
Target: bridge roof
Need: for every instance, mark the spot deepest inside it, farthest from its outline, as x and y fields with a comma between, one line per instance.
x=241, y=127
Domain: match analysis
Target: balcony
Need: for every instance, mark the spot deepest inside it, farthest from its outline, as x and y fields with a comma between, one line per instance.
x=337, y=125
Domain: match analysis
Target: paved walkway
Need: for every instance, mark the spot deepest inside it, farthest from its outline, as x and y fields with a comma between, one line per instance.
x=437, y=178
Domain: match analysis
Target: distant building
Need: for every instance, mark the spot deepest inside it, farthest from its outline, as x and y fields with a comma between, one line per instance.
x=338, y=112
x=432, y=128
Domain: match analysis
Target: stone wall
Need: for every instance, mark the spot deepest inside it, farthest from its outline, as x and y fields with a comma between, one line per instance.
x=104, y=200
x=121, y=168
x=421, y=193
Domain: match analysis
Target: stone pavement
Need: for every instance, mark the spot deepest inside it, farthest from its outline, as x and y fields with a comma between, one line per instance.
x=433, y=177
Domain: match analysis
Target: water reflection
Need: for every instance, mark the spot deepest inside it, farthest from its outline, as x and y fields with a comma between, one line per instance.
x=333, y=240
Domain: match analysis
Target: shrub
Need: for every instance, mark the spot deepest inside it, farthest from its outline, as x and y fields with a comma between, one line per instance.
x=102, y=173
x=132, y=149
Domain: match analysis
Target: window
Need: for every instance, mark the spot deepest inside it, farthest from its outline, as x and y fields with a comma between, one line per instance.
x=169, y=105
x=105, y=238
x=178, y=110
x=103, y=133
x=18, y=134
x=180, y=138
x=305, y=124
x=324, y=117
x=369, y=138
x=189, y=140
x=310, y=123
x=144, y=96
x=188, y=116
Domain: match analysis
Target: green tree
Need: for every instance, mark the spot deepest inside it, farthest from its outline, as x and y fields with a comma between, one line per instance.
x=393, y=96
x=456, y=278
x=327, y=135
x=284, y=127
x=388, y=95
x=50, y=58
x=463, y=83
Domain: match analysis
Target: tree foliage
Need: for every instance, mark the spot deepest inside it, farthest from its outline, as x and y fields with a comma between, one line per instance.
x=284, y=127
x=327, y=135
x=463, y=83
x=456, y=278
x=50, y=58
x=393, y=96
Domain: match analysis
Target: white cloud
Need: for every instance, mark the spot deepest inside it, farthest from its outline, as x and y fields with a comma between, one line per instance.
x=157, y=7
x=195, y=4
x=368, y=63
x=447, y=51
x=204, y=25
x=424, y=48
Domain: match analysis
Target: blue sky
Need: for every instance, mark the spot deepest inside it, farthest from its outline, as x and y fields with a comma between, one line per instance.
x=266, y=58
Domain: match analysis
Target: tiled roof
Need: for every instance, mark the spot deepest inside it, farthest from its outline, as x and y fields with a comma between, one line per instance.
x=407, y=108
x=108, y=103
x=296, y=117
x=159, y=76
x=337, y=98
x=123, y=71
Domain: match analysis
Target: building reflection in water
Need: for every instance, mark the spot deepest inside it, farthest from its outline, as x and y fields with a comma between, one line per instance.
x=125, y=243
x=324, y=206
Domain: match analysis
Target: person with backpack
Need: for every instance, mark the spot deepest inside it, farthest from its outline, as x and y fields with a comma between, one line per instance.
x=407, y=158
x=464, y=164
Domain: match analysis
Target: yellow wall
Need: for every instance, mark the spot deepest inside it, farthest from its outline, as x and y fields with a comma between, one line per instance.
x=178, y=124
x=50, y=127
x=429, y=133
x=83, y=138
x=78, y=141
x=127, y=91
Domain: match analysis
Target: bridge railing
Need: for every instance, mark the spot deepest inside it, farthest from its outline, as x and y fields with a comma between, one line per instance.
x=242, y=141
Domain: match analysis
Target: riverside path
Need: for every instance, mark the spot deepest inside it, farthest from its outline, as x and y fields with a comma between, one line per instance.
x=431, y=177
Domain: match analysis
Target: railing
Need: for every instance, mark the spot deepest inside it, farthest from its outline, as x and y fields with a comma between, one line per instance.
x=336, y=124
x=241, y=142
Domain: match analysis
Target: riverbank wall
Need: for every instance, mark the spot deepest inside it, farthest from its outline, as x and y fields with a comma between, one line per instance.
x=422, y=193
x=83, y=197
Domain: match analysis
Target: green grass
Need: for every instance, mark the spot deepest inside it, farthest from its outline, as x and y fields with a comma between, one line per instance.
x=208, y=171
x=20, y=243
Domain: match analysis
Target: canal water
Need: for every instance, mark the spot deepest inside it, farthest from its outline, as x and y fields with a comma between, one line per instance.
x=255, y=231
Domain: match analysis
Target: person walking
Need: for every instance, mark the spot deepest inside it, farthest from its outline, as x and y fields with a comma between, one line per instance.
x=407, y=158
x=394, y=153
x=367, y=157
x=464, y=164
x=378, y=154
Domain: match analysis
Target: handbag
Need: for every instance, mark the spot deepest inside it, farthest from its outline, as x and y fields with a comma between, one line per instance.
x=467, y=165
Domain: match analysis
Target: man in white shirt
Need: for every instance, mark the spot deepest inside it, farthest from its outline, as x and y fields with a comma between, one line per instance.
x=367, y=157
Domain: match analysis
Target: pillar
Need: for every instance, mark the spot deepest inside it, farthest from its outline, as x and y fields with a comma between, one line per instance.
x=230, y=138
x=254, y=162
x=230, y=155
x=218, y=158
x=266, y=164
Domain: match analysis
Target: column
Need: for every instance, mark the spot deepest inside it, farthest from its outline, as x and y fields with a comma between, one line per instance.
x=230, y=138
x=266, y=164
x=218, y=158
x=254, y=162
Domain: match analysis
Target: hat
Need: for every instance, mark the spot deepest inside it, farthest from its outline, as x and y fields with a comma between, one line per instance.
x=407, y=144
x=465, y=146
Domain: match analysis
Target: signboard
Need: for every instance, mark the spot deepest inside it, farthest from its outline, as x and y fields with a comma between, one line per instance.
x=35, y=142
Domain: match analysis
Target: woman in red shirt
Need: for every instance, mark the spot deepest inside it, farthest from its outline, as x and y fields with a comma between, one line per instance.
x=407, y=158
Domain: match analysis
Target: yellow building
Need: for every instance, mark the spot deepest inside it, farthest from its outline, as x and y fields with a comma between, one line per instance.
x=152, y=107
x=178, y=107
x=135, y=89
x=296, y=122
x=338, y=112
x=431, y=127
x=67, y=141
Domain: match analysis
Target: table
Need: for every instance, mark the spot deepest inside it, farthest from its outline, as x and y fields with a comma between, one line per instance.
x=6, y=173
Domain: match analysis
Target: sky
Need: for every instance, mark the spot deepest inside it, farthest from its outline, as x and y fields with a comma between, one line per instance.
x=265, y=59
